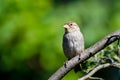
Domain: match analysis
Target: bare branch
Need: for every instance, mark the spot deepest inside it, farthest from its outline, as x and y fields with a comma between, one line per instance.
x=98, y=68
x=95, y=78
x=61, y=72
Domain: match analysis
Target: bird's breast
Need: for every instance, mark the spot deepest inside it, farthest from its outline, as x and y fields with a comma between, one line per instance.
x=73, y=43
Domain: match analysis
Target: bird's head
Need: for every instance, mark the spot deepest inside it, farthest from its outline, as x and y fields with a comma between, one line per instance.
x=71, y=27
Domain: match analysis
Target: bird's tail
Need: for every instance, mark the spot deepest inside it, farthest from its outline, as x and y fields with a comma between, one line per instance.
x=77, y=68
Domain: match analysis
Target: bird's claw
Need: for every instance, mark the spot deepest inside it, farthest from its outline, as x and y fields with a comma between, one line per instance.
x=79, y=57
x=65, y=64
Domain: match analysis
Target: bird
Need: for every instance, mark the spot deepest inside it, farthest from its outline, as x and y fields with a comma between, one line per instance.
x=73, y=42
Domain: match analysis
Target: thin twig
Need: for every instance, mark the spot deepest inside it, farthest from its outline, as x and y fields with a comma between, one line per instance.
x=95, y=78
x=98, y=68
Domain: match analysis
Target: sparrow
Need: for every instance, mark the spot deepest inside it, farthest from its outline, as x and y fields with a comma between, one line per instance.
x=73, y=42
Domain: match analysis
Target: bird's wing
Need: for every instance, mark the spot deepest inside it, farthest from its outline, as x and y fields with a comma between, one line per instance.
x=78, y=43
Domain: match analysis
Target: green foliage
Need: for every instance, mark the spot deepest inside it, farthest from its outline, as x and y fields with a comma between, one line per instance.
x=31, y=32
x=108, y=55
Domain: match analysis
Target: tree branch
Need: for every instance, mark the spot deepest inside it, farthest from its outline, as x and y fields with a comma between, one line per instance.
x=61, y=72
x=98, y=68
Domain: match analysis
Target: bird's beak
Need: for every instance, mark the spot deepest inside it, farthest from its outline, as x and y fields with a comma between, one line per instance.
x=66, y=26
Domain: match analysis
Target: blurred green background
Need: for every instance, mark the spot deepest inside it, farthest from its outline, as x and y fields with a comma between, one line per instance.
x=31, y=33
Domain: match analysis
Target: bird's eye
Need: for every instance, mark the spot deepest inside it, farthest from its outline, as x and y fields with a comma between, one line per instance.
x=70, y=24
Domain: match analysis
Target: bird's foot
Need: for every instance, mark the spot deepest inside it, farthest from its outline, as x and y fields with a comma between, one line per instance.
x=79, y=57
x=65, y=64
